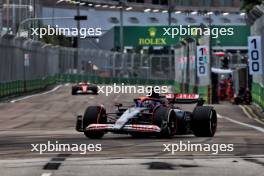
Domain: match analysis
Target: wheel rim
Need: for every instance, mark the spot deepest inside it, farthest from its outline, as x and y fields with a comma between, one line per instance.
x=213, y=123
x=171, y=124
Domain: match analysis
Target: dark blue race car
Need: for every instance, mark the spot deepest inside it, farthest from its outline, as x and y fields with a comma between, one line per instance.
x=148, y=116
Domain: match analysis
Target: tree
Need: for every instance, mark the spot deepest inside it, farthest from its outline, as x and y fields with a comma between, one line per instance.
x=249, y=4
x=57, y=40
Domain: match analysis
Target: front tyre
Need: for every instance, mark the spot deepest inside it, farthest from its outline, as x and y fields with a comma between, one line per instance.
x=94, y=89
x=204, y=121
x=94, y=115
x=165, y=118
x=74, y=91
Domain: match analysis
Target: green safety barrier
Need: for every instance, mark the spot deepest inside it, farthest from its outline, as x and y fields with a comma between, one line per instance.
x=74, y=78
x=177, y=87
x=20, y=86
x=203, y=92
x=17, y=87
x=258, y=94
x=190, y=88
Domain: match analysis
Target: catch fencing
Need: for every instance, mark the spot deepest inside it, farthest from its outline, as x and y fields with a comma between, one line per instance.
x=27, y=65
x=29, y=59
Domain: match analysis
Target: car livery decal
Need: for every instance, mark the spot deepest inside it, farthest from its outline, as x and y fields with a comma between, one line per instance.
x=128, y=114
x=84, y=88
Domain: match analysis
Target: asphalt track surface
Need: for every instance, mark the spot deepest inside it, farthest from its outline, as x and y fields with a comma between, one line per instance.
x=51, y=117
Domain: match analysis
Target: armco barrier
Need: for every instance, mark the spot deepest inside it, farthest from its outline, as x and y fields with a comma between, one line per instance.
x=258, y=94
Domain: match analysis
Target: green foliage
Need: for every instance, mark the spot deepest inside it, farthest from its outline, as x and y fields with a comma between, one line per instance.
x=249, y=4
x=57, y=40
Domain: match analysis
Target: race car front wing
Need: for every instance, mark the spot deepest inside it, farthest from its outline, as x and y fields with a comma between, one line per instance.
x=126, y=128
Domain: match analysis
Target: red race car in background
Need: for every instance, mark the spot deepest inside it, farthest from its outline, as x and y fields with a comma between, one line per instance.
x=84, y=88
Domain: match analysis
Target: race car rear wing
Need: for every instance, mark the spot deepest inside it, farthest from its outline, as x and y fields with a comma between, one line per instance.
x=184, y=98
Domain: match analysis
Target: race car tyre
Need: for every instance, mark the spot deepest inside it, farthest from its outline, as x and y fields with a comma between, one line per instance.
x=94, y=90
x=74, y=91
x=94, y=115
x=204, y=121
x=165, y=118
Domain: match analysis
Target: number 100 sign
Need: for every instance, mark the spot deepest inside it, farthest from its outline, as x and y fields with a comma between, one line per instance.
x=202, y=60
x=254, y=55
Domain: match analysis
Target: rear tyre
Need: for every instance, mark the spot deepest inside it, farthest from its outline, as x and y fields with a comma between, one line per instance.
x=165, y=118
x=94, y=115
x=94, y=90
x=204, y=121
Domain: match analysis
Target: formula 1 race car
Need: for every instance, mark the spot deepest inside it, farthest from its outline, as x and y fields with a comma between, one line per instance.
x=84, y=88
x=151, y=117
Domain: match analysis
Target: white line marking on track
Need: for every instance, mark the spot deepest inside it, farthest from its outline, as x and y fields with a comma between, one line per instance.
x=46, y=174
x=242, y=123
x=30, y=96
x=219, y=116
x=249, y=116
x=244, y=110
x=250, y=111
x=259, y=121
